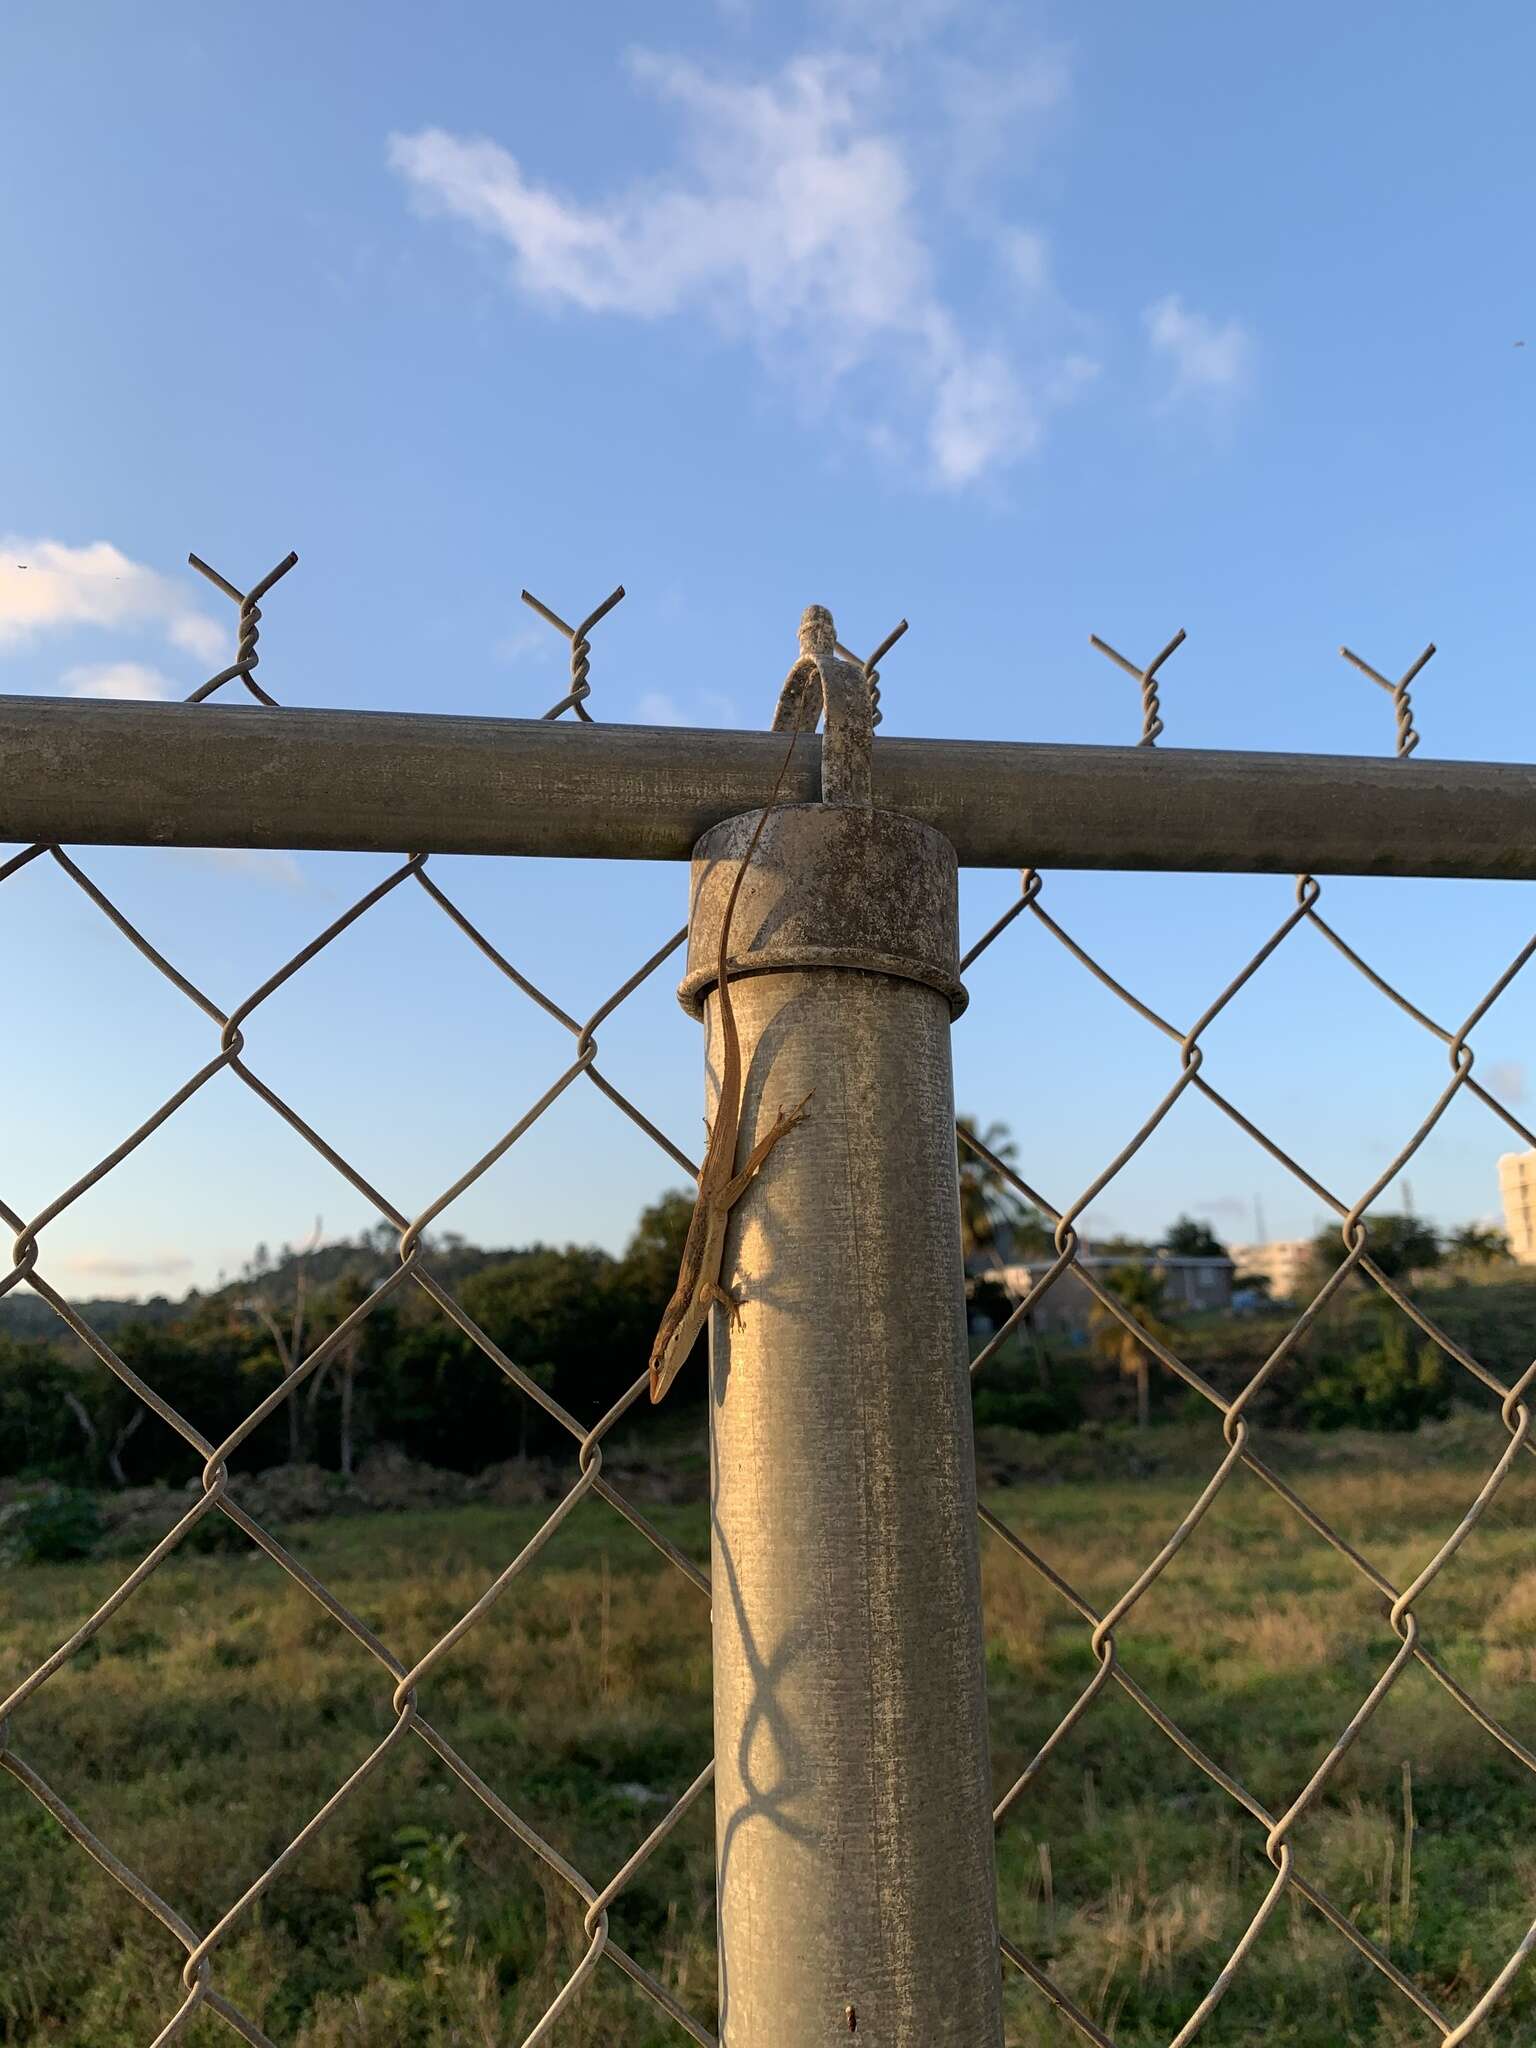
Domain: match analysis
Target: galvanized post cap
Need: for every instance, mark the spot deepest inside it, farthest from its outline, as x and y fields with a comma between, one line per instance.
x=827, y=887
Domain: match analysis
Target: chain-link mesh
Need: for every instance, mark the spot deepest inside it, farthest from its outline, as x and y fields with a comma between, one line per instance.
x=405, y=1680
x=1399, y=1601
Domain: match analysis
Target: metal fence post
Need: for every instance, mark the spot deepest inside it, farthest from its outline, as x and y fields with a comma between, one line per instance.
x=853, y=1811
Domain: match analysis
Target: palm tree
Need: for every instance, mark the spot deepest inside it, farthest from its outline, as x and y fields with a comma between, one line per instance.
x=1139, y=1289
x=993, y=1215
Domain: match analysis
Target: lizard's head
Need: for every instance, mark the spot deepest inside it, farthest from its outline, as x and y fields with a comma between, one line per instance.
x=667, y=1353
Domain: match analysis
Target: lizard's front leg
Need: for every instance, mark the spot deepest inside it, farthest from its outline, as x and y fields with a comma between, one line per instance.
x=784, y=1122
x=712, y=1291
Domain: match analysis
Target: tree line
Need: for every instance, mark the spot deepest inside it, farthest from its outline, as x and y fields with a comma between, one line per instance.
x=579, y=1322
x=576, y=1320
x=1364, y=1362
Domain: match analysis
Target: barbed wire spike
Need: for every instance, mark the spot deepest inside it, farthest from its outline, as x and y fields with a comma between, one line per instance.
x=1402, y=703
x=580, y=650
x=870, y=666
x=1151, y=708
x=246, y=658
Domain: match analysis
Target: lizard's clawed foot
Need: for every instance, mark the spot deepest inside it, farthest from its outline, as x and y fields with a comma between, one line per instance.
x=731, y=1303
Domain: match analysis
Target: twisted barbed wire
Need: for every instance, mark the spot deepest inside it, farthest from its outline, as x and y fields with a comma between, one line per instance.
x=1402, y=703
x=581, y=649
x=1151, y=706
x=246, y=658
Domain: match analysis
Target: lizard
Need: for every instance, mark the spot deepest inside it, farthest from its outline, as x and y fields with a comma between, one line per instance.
x=720, y=1185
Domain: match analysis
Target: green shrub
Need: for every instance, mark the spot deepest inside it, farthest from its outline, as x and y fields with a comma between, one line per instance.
x=419, y=1887
x=1043, y=1411
x=1395, y=1384
x=59, y=1527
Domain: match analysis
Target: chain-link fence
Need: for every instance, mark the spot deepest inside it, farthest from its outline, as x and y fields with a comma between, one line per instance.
x=406, y=1680
x=1354, y=1259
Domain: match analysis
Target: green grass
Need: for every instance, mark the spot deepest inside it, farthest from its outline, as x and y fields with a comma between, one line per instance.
x=220, y=1708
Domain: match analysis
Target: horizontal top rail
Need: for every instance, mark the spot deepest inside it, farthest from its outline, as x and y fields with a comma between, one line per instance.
x=108, y=773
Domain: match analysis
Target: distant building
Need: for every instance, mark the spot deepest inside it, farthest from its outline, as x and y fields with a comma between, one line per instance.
x=1283, y=1262
x=1517, y=1185
x=1188, y=1283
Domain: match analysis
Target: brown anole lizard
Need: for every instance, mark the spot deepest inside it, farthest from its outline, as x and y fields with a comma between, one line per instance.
x=720, y=1185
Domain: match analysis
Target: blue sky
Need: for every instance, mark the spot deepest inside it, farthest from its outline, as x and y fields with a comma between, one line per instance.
x=1023, y=323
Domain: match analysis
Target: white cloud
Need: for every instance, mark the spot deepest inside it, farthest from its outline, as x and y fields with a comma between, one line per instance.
x=1204, y=357
x=894, y=22
x=793, y=222
x=980, y=416
x=536, y=643
x=995, y=112
x=133, y=680
x=198, y=635
x=280, y=869
x=1508, y=1079
x=711, y=708
x=719, y=709
x=47, y=586
x=111, y=1266
x=1026, y=257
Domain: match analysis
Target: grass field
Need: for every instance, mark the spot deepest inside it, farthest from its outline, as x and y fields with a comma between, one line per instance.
x=218, y=1710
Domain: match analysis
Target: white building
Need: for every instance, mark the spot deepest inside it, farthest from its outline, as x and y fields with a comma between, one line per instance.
x=1517, y=1185
x=1283, y=1262
x=1188, y=1283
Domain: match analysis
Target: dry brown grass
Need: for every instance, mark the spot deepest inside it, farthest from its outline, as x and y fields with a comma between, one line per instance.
x=221, y=1708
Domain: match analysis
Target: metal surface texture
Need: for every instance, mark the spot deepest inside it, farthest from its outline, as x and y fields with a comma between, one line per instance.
x=163, y=775
x=852, y=1802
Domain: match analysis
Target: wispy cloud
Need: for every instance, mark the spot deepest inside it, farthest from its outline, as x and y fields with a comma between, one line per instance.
x=531, y=643
x=1026, y=257
x=996, y=110
x=897, y=23
x=280, y=869
x=719, y=709
x=47, y=586
x=1205, y=358
x=792, y=222
x=110, y=1266
x=1508, y=1079
x=656, y=707
x=133, y=680
x=710, y=707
